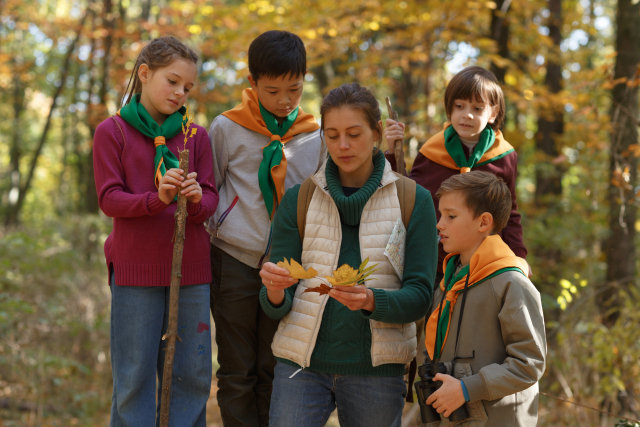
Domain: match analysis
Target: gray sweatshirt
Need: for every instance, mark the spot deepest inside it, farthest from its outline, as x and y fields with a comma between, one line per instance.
x=237, y=153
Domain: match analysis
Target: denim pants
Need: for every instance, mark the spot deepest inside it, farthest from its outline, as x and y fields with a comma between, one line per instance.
x=309, y=398
x=139, y=317
x=243, y=334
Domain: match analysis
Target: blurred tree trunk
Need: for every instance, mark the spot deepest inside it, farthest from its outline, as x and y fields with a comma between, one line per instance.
x=500, y=33
x=623, y=167
x=550, y=119
x=16, y=151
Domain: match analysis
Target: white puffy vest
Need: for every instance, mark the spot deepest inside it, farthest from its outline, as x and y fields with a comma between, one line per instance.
x=297, y=332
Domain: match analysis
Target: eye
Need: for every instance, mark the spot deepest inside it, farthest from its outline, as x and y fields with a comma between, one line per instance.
x=333, y=137
x=458, y=106
x=186, y=90
x=172, y=81
x=451, y=216
x=354, y=136
x=294, y=90
x=272, y=93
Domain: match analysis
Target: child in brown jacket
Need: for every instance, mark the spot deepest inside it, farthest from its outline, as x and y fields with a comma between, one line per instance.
x=496, y=356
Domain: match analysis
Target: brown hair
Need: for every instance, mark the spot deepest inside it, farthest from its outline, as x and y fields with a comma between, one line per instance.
x=354, y=96
x=159, y=53
x=483, y=192
x=476, y=83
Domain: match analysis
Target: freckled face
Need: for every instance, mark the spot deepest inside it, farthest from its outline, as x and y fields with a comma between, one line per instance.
x=166, y=89
x=469, y=118
x=279, y=95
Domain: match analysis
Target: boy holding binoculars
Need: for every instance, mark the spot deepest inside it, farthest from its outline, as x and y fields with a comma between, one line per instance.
x=485, y=335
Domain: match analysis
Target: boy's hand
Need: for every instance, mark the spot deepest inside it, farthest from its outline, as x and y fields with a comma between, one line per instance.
x=276, y=280
x=170, y=184
x=191, y=188
x=354, y=297
x=448, y=397
x=393, y=132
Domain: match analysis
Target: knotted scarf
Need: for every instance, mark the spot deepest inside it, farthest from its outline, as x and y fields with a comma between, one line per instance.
x=493, y=257
x=272, y=171
x=137, y=116
x=445, y=148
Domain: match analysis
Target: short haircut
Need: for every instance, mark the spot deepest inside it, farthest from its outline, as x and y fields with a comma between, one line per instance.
x=483, y=192
x=277, y=54
x=476, y=84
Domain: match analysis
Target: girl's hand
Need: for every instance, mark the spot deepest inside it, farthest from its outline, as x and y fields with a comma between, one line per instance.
x=354, y=297
x=393, y=132
x=170, y=184
x=448, y=397
x=276, y=280
x=191, y=188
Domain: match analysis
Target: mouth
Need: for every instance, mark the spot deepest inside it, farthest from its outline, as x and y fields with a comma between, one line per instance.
x=284, y=110
x=464, y=125
x=174, y=102
x=345, y=158
x=443, y=237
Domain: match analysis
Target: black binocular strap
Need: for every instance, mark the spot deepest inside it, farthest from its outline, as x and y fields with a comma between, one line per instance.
x=455, y=350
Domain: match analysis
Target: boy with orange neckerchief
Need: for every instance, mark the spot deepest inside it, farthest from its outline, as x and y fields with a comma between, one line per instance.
x=486, y=322
x=262, y=147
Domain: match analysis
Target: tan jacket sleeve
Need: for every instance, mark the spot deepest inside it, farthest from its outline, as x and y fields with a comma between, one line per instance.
x=523, y=334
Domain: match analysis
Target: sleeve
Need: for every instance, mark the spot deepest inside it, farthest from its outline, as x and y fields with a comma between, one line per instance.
x=412, y=302
x=285, y=244
x=206, y=207
x=109, y=178
x=220, y=152
x=512, y=233
x=323, y=153
x=523, y=333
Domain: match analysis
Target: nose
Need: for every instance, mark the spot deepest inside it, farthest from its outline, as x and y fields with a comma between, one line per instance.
x=344, y=143
x=440, y=226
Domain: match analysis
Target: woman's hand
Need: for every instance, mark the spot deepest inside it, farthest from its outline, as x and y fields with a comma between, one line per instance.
x=393, y=132
x=354, y=297
x=191, y=188
x=276, y=280
x=448, y=397
x=170, y=184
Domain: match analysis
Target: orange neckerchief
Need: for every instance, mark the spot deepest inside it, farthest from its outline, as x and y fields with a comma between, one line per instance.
x=435, y=150
x=492, y=256
x=247, y=114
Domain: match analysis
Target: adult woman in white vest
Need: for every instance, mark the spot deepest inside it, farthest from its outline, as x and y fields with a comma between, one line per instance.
x=347, y=349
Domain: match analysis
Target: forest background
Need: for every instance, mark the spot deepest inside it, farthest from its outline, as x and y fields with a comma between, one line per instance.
x=569, y=69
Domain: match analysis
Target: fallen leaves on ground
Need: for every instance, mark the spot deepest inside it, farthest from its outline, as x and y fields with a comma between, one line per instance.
x=296, y=270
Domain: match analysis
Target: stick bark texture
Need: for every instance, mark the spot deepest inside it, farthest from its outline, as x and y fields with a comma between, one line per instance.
x=398, y=150
x=174, y=294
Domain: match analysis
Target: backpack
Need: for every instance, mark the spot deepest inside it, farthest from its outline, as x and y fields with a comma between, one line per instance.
x=406, y=196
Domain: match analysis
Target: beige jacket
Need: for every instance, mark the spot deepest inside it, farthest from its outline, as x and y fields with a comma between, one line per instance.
x=297, y=333
x=504, y=325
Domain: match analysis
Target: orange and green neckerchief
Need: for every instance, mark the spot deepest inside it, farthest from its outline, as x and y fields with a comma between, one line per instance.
x=493, y=257
x=137, y=116
x=445, y=148
x=273, y=168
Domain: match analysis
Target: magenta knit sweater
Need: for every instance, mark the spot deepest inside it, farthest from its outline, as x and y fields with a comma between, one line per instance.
x=139, y=250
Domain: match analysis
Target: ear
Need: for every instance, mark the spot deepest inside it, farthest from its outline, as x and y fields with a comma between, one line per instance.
x=144, y=73
x=253, y=82
x=486, y=223
x=378, y=131
x=494, y=113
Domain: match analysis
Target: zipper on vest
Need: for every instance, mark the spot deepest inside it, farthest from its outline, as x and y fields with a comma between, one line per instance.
x=296, y=372
x=225, y=214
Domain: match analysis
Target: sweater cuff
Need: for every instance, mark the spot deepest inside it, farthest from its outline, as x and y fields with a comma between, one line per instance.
x=193, y=209
x=275, y=313
x=476, y=388
x=155, y=205
x=382, y=306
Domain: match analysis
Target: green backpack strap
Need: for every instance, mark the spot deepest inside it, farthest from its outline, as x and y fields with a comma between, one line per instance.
x=406, y=189
x=305, y=195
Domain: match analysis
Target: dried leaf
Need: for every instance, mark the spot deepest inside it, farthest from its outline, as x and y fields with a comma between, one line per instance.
x=296, y=270
x=347, y=276
x=322, y=289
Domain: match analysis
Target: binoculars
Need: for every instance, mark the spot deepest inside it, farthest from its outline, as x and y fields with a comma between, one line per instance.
x=426, y=386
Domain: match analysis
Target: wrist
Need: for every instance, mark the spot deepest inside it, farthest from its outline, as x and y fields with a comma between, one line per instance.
x=276, y=298
x=370, y=302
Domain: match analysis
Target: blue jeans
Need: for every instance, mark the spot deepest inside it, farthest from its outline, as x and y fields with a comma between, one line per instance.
x=309, y=398
x=139, y=317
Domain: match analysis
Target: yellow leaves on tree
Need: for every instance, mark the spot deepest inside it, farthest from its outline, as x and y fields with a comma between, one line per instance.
x=296, y=270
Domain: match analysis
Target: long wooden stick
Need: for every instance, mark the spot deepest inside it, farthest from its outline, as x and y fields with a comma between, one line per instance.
x=174, y=294
x=398, y=149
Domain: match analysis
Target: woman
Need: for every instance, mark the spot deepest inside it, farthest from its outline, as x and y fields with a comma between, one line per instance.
x=348, y=349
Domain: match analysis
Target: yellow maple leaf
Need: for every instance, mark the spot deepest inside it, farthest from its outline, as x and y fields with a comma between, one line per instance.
x=344, y=276
x=296, y=270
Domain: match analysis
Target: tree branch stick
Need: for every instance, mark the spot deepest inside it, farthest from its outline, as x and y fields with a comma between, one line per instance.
x=398, y=150
x=174, y=293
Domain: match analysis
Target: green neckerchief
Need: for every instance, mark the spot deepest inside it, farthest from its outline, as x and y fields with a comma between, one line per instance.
x=450, y=278
x=137, y=116
x=272, y=155
x=454, y=146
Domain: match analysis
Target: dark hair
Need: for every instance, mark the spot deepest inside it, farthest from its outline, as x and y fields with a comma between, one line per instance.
x=476, y=83
x=277, y=53
x=483, y=192
x=159, y=53
x=354, y=96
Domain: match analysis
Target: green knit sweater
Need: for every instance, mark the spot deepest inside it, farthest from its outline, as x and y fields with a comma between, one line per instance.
x=343, y=345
